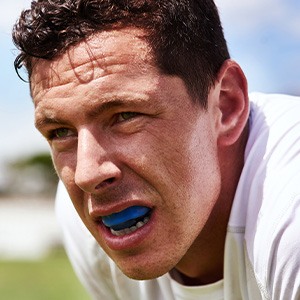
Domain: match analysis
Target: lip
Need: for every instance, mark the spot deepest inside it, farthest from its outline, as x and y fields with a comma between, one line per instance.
x=128, y=241
x=100, y=211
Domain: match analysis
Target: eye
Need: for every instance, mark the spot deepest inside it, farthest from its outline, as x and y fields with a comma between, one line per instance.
x=125, y=116
x=61, y=133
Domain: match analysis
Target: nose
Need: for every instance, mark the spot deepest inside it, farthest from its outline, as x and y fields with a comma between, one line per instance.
x=95, y=168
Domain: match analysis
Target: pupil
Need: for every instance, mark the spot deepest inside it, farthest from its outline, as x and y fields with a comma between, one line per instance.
x=61, y=132
x=128, y=115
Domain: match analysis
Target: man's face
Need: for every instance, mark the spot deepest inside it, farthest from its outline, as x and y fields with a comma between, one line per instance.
x=132, y=149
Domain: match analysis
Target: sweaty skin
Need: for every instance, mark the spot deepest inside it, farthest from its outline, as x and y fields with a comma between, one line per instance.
x=123, y=134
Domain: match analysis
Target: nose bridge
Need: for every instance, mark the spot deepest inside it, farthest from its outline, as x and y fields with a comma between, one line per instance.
x=94, y=165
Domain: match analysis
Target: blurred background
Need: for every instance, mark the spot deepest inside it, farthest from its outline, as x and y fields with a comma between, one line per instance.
x=263, y=36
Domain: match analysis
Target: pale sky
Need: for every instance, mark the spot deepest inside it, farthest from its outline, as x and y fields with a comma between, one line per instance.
x=263, y=36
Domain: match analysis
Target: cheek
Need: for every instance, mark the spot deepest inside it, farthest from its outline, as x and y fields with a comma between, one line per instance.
x=195, y=173
x=179, y=163
x=65, y=165
x=193, y=158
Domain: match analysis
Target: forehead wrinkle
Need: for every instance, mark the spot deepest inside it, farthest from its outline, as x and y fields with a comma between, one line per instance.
x=85, y=71
x=92, y=58
x=99, y=56
x=55, y=73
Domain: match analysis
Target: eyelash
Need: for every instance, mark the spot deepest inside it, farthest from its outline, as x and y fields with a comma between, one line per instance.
x=123, y=114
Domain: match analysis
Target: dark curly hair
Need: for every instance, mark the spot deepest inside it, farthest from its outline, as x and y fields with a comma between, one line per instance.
x=186, y=36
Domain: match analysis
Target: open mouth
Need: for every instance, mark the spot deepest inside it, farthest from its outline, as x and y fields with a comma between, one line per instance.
x=128, y=220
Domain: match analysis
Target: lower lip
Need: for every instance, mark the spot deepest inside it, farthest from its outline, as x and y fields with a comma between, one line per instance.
x=128, y=241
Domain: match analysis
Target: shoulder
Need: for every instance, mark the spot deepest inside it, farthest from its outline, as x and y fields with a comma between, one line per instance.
x=268, y=109
x=269, y=195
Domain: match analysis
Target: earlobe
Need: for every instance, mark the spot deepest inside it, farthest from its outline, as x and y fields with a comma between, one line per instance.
x=233, y=103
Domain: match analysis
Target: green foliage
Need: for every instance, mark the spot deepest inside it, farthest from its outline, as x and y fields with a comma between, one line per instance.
x=33, y=175
x=49, y=279
x=40, y=159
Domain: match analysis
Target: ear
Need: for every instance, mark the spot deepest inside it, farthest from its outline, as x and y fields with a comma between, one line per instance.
x=232, y=103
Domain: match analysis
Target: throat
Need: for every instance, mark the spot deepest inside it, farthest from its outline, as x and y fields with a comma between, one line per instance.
x=195, y=281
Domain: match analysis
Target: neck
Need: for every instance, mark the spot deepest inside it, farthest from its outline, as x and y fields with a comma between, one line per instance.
x=203, y=262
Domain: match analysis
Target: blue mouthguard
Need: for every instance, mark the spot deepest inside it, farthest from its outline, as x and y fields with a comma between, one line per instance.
x=125, y=215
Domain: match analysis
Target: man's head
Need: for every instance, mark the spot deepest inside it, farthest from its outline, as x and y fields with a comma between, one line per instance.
x=150, y=172
x=185, y=35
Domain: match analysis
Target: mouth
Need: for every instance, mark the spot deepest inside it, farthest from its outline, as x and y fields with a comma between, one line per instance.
x=128, y=220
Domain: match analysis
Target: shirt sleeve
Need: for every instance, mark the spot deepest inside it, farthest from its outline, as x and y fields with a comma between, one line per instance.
x=284, y=262
x=273, y=216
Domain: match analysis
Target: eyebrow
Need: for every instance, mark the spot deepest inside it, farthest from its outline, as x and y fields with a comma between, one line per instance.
x=44, y=121
x=104, y=107
x=93, y=113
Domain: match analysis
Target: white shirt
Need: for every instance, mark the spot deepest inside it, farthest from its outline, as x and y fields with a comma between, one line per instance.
x=262, y=251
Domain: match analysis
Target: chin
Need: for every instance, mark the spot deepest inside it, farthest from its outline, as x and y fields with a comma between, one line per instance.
x=144, y=272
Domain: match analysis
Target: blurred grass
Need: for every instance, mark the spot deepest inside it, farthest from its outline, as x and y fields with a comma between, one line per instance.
x=49, y=279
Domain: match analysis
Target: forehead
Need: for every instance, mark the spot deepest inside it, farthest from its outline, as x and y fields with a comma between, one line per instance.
x=99, y=55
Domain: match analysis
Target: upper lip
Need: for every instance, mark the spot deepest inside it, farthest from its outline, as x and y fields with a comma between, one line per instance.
x=100, y=211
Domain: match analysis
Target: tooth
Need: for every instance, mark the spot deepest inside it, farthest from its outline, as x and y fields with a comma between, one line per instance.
x=131, y=229
x=117, y=233
x=140, y=224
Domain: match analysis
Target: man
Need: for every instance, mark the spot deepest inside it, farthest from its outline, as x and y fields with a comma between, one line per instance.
x=181, y=188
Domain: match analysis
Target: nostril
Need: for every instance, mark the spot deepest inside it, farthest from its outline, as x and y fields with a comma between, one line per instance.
x=106, y=182
x=110, y=180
